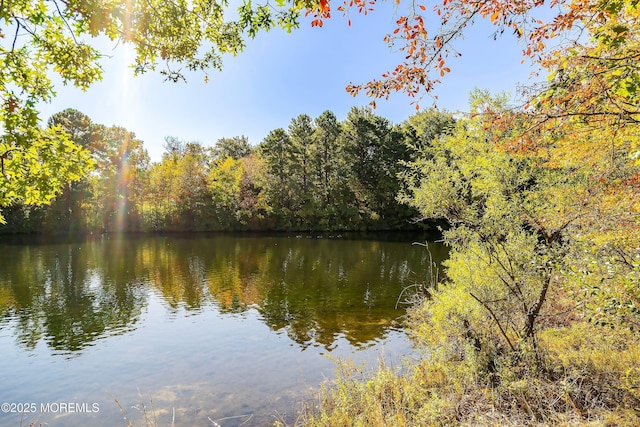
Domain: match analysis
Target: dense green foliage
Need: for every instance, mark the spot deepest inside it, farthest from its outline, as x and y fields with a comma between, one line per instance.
x=320, y=174
x=39, y=39
x=536, y=320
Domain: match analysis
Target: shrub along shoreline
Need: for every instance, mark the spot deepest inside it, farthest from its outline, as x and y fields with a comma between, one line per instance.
x=537, y=320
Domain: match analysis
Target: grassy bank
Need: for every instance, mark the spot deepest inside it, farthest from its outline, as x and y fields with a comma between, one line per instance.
x=579, y=374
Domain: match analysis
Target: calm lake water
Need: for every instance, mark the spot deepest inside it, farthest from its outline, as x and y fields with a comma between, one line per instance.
x=234, y=330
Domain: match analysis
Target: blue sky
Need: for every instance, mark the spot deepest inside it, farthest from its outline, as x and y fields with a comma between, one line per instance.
x=280, y=76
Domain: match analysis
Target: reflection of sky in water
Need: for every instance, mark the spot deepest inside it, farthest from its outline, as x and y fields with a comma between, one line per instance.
x=207, y=329
x=201, y=366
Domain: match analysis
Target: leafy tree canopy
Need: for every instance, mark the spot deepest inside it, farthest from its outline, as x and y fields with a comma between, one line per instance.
x=236, y=147
x=594, y=72
x=38, y=38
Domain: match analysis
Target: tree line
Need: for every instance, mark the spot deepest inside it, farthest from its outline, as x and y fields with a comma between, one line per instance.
x=318, y=174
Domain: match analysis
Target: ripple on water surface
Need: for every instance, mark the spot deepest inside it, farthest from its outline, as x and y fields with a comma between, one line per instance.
x=230, y=329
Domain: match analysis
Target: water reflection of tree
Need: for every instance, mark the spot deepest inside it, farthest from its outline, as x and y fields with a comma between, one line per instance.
x=314, y=290
x=68, y=295
x=175, y=269
x=330, y=288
